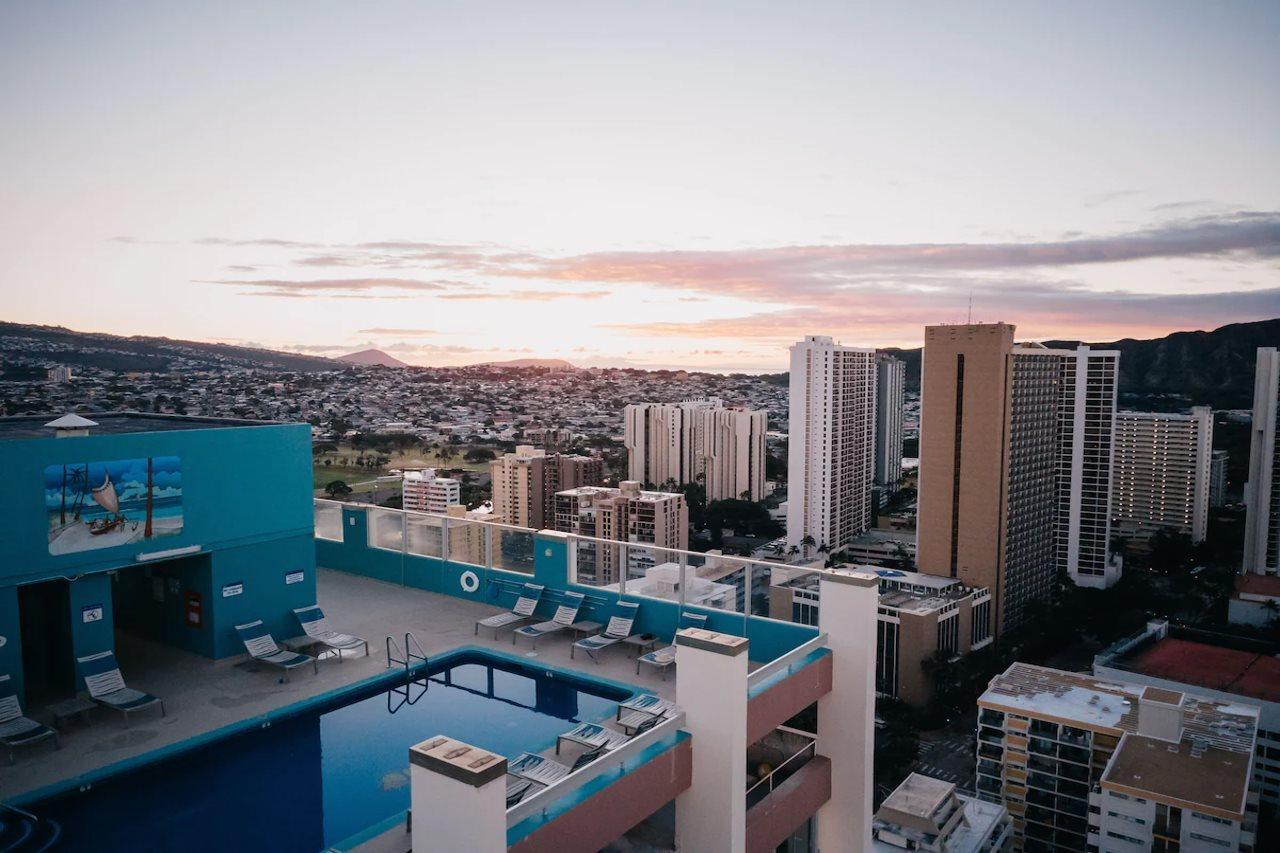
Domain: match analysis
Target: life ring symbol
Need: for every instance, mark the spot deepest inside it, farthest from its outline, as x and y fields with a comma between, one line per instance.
x=470, y=581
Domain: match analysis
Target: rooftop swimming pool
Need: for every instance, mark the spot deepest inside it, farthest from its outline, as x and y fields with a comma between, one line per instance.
x=323, y=771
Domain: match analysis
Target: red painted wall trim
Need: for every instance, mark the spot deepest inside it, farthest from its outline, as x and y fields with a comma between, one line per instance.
x=787, y=698
x=772, y=820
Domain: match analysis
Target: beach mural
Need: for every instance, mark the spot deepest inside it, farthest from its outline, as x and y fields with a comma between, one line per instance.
x=94, y=505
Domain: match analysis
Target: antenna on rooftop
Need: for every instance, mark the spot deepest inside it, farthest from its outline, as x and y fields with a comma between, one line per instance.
x=969, y=322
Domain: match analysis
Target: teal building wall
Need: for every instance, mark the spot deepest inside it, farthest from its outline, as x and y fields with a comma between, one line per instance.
x=246, y=514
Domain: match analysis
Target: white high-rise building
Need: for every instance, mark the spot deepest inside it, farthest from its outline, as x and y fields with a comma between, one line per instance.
x=423, y=491
x=697, y=440
x=831, y=454
x=1218, y=477
x=891, y=378
x=1262, y=487
x=1160, y=474
x=1086, y=425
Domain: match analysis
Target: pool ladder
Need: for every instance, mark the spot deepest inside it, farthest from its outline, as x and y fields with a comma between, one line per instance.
x=405, y=693
x=20, y=830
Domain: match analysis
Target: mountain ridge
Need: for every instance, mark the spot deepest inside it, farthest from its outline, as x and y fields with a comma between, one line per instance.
x=371, y=357
x=1213, y=368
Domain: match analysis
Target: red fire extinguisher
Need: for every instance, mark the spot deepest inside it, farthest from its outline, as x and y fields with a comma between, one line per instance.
x=194, y=618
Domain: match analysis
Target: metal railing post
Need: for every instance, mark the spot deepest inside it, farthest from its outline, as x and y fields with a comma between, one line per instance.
x=404, y=544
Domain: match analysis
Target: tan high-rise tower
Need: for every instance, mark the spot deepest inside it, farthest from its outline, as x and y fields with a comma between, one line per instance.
x=525, y=483
x=964, y=439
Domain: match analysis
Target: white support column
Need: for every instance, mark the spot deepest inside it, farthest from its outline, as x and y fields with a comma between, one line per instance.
x=847, y=602
x=711, y=687
x=459, y=797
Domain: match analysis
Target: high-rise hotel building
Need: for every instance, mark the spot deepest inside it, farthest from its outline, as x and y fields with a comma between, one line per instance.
x=891, y=378
x=525, y=483
x=1014, y=463
x=1262, y=488
x=1086, y=427
x=422, y=491
x=831, y=452
x=697, y=440
x=651, y=521
x=1161, y=473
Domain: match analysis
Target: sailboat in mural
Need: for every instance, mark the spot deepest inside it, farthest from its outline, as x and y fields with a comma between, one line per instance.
x=95, y=505
x=105, y=496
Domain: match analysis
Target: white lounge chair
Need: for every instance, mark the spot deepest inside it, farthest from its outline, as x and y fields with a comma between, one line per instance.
x=106, y=686
x=517, y=788
x=595, y=736
x=261, y=646
x=566, y=615
x=665, y=658
x=521, y=612
x=639, y=713
x=316, y=627
x=618, y=629
x=547, y=771
x=15, y=729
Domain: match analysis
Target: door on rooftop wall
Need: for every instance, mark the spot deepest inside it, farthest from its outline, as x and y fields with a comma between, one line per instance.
x=44, y=610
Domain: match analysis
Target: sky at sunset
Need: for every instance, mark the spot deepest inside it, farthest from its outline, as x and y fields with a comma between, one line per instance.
x=647, y=184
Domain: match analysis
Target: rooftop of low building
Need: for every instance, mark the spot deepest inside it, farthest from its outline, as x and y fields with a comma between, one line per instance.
x=1209, y=778
x=1254, y=673
x=1084, y=701
x=112, y=423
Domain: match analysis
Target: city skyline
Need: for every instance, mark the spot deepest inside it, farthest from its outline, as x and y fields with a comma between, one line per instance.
x=455, y=186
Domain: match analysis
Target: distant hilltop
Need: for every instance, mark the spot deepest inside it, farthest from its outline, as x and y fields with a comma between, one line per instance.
x=22, y=344
x=553, y=363
x=374, y=357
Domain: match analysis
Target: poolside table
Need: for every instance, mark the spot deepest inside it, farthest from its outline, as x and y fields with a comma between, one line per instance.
x=584, y=629
x=642, y=642
x=65, y=710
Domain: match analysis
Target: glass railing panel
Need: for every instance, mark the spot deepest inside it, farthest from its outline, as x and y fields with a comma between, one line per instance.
x=512, y=549
x=386, y=528
x=424, y=535
x=328, y=521
x=652, y=572
x=468, y=542
x=594, y=562
x=719, y=582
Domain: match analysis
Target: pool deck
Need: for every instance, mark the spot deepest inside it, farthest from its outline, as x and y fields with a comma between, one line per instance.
x=202, y=696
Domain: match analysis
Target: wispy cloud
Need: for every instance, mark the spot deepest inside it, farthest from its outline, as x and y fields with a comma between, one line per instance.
x=335, y=288
x=406, y=333
x=1038, y=311
x=528, y=295
x=785, y=273
x=273, y=242
x=1189, y=204
x=857, y=287
x=1106, y=198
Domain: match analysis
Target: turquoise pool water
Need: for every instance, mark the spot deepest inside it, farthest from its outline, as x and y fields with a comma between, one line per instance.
x=325, y=774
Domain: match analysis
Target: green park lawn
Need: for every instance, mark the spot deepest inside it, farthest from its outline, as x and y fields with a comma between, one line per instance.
x=323, y=474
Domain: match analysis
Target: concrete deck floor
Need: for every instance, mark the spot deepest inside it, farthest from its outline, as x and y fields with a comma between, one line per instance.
x=202, y=695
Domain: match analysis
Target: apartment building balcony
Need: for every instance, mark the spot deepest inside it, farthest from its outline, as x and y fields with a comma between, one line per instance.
x=791, y=784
